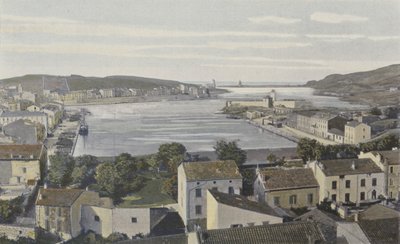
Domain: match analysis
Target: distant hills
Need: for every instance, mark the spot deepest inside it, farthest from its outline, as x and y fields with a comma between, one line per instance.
x=385, y=77
x=36, y=83
x=370, y=87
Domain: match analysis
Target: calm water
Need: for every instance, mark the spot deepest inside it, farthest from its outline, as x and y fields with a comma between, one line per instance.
x=139, y=128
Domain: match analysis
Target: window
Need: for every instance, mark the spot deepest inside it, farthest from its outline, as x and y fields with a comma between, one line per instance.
x=24, y=170
x=347, y=183
x=46, y=210
x=198, y=192
x=333, y=184
x=59, y=212
x=96, y=218
x=347, y=197
x=134, y=220
x=293, y=199
x=198, y=209
x=47, y=224
x=276, y=201
x=362, y=196
x=373, y=181
x=390, y=182
x=214, y=182
x=333, y=197
x=391, y=169
x=363, y=182
x=231, y=191
x=373, y=194
x=310, y=198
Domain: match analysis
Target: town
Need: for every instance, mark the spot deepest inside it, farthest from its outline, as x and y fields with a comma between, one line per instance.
x=341, y=183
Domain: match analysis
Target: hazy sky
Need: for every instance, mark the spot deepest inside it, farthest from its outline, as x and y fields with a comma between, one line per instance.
x=188, y=40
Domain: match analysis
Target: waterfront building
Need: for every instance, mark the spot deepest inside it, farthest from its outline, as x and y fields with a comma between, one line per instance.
x=389, y=163
x=356, y=132
x=195, y=178
x=348, y=180
x=10, y=116
x=286, y=188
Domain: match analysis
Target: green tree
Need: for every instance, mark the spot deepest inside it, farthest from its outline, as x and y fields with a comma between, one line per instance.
x=171, y=154
x=375, y=111
x=170, y=186
x=306, y=149
x=272, y=158
x=107, y=178
x=230, y=151
x=60, y=170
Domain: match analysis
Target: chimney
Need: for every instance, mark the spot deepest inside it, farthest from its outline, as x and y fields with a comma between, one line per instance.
x=353, y=165
x=356, y=217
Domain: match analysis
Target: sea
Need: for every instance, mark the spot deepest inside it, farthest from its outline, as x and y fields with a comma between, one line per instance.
x=140, y=128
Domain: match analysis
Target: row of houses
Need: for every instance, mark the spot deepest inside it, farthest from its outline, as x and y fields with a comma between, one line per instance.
x=331, y=127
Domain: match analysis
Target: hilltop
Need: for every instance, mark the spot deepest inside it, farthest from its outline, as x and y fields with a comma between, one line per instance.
x=76, y=82
x=369, y=87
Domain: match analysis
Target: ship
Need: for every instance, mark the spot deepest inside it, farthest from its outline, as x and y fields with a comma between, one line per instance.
x=83, y=126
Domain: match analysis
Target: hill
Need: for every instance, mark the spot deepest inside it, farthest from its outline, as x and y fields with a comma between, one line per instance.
x=369, y=87
x=36, y=83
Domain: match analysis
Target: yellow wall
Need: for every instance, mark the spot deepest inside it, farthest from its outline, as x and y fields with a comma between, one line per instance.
x=302, y=197
x=32, y=171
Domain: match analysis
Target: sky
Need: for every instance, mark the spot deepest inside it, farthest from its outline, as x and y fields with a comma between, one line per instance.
x=187, y=40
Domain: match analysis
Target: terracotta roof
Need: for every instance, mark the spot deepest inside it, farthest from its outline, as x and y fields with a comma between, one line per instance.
x=58, y=197
x=23, y=151
x=392, y=157
x=294, y=232
x=344, y=167
x=242, y=202
x=281, y=179
x=211, y=170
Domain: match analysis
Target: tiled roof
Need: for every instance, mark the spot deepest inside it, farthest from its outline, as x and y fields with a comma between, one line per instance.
x=58, y=197
x=344, y=167
x=294, y=232
x=170, y=239
x=378, y=211
x=212, y=170
x=23, y=151
x=21, y=114
x=381, y=230
x=242, y=202
x=281, y=179
x=353, y=123
x=392, y=157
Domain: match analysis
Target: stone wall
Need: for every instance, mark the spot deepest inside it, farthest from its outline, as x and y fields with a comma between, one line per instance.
x=14, y=232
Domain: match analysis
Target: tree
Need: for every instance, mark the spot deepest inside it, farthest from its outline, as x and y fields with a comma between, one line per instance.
x=170, y=186
x=171, y=154
x=375, y=111
x=306, y=149
x=60, y=171
x=391, y=112
x=230, y=151
x=272, y=158
x=107, y=178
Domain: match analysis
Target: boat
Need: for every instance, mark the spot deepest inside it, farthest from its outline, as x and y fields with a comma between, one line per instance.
x=83, y=126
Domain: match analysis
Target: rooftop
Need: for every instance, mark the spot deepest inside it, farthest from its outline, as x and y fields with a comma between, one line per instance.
x=344, y=167
x=336, y=132
x=392, y=157
x=58, y=197
x=281, y=179
x=353, y=123
x=378, y=211
x=242, y=202
x=211, y=170
x=21, y=151
x=294, y=232
x=21, y=114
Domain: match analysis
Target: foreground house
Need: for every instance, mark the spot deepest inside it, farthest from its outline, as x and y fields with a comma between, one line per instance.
x=59, y=210
x=389, y=163
x=195, y=178
x=348, y=180
x=295, y=232
x=286, y=188
x=227, y=210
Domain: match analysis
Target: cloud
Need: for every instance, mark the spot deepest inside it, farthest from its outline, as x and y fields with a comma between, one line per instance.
x=273, y=20
x=258, y=45
x=23, y=24
x=333, y=18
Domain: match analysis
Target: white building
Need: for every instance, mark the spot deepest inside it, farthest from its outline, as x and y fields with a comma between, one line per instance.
x=10, y=116
x=195, y=178
x=349, y=180
x=231, y=211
